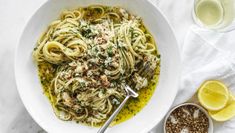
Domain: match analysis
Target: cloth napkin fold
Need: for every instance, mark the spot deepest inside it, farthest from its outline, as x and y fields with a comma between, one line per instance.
x=207, y=55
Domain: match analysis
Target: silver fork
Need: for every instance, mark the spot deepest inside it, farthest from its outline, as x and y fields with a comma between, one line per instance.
x=145, y=71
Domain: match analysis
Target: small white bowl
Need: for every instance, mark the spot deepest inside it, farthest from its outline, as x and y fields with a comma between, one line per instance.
x=210, y=130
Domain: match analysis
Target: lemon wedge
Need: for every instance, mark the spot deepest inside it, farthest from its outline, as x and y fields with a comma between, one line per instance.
x=225, y=114
x=213, y=95
x=231, y=98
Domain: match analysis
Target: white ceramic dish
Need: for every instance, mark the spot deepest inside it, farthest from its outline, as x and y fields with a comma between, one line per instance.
x=37, y=103
x=211, y=127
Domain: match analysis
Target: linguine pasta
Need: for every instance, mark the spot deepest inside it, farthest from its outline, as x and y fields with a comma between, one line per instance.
x=88, y=55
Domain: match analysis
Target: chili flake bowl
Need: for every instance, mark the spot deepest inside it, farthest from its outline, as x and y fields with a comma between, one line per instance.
x=198, y=107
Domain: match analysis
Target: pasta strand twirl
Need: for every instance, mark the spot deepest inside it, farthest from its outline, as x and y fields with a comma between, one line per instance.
x=91, y=54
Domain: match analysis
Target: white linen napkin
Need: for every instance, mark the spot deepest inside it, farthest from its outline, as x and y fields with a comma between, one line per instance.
x=207, y=55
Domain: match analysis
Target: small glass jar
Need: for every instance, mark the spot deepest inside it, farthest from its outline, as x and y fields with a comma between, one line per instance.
x=215, y=14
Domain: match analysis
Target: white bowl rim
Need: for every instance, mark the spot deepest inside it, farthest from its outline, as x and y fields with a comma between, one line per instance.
x=145, y=129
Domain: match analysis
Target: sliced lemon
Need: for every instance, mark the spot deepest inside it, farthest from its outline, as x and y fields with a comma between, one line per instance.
x=231, y=98
x=213, y=95
x=224, y=114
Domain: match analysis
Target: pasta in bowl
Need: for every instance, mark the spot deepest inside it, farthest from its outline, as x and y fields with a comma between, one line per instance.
x=87, y=57
x=139, y=115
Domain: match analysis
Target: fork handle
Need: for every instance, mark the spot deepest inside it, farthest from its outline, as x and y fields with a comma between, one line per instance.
x=107, y=123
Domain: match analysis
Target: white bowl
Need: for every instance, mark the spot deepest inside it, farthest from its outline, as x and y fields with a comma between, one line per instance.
x=211, y=127
x=38, y=105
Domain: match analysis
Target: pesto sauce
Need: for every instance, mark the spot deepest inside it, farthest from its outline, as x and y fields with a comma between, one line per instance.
x=132, y=107
x=135, y=105
x=45, y=77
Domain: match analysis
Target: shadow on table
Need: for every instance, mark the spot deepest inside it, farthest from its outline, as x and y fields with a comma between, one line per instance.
x=23, y=123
